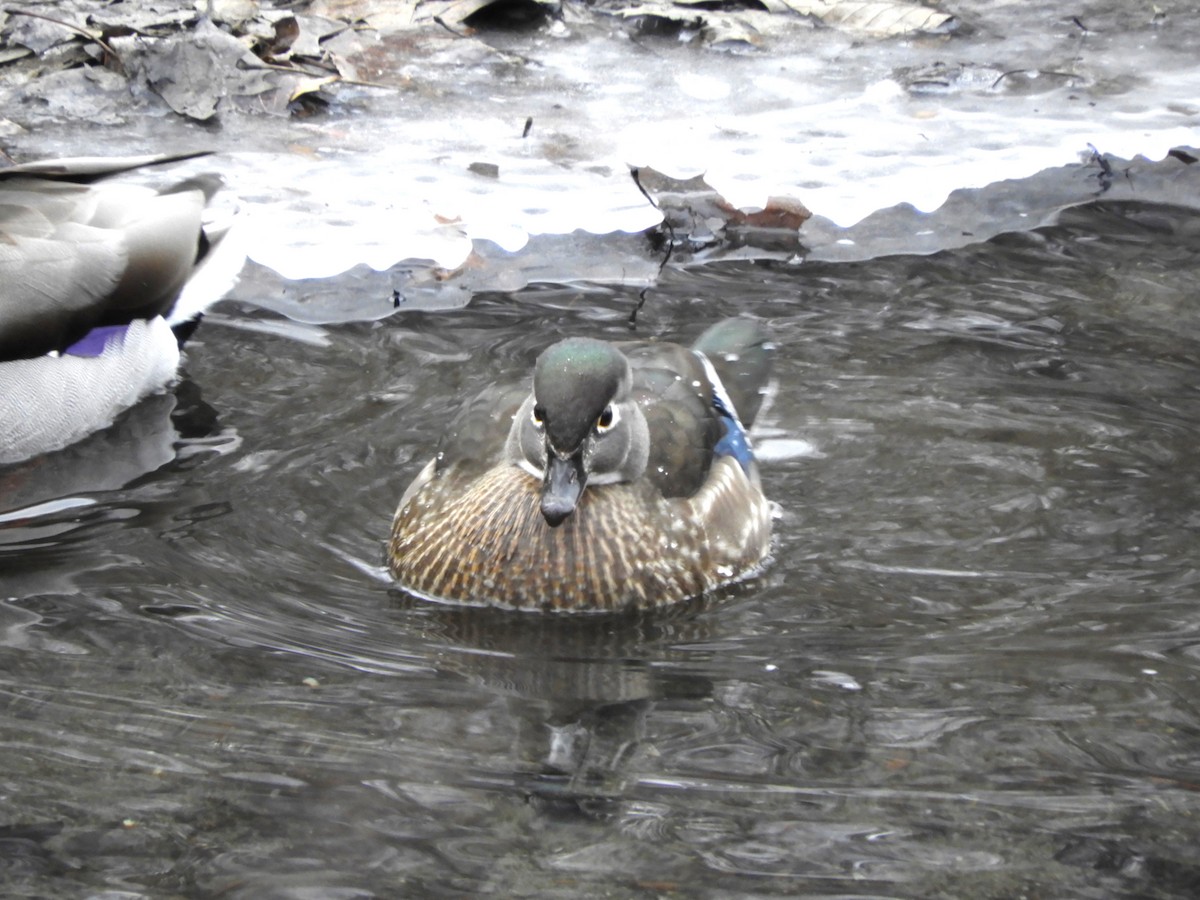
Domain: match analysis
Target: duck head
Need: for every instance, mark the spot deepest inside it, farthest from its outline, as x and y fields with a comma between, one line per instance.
x=580, y=425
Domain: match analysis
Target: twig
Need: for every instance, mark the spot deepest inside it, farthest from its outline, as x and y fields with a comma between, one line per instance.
x=637, y=180
x=1003, y=75
x=309, y=73
x=440, y=21
x=638, y=307
x=666, y=219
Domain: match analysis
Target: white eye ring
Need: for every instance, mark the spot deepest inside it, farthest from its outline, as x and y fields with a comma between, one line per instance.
x=608, y=419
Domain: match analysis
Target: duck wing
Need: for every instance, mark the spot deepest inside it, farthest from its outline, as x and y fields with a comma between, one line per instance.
x=689, y=417
x=676, y=396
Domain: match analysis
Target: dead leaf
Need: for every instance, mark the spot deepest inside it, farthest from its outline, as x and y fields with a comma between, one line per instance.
x=786, y=213
x=287, y=30
x=732, y=21
x=86, y=94
x=687, y=19
x=386, y=16
x=234, y=13
x=655, y=19
x=38, y=32
x=345, y=69
x=145, y=19
x=314, y=33
x=730, y=30
x=455, y=14
x=696, y=217
x=878, y=19
x=12, y=54
x=192, y=71
x=310, y=86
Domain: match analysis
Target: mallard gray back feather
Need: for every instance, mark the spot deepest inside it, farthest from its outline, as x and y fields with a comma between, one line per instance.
x=94, y=276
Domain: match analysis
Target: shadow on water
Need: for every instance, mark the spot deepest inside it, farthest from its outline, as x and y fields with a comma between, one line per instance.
x=969, y=671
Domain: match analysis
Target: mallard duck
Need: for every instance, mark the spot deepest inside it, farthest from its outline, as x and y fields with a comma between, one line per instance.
x=99, y=284
x=623, y=479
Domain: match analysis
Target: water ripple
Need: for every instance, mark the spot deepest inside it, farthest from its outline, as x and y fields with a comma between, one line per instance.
x=968, y=670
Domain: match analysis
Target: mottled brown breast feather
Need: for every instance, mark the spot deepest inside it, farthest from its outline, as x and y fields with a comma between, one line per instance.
x=483, y=541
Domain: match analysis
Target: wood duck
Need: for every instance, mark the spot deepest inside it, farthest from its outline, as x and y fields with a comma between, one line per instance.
x=100, y=282
x=623, y=480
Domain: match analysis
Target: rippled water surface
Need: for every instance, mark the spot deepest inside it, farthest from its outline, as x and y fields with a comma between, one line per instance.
x=971, y=670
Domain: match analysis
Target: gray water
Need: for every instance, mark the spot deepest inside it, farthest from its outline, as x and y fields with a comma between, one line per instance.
x=970, y=671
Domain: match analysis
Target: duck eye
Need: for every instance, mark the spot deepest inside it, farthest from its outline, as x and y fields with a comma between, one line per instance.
x=606, y=419
x=538, y=415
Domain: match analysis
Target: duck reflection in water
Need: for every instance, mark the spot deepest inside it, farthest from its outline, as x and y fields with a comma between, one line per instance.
x=580, y=691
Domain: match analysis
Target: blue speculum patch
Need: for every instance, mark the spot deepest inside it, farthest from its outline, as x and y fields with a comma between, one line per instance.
x=94, y=342
x=734, y=441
